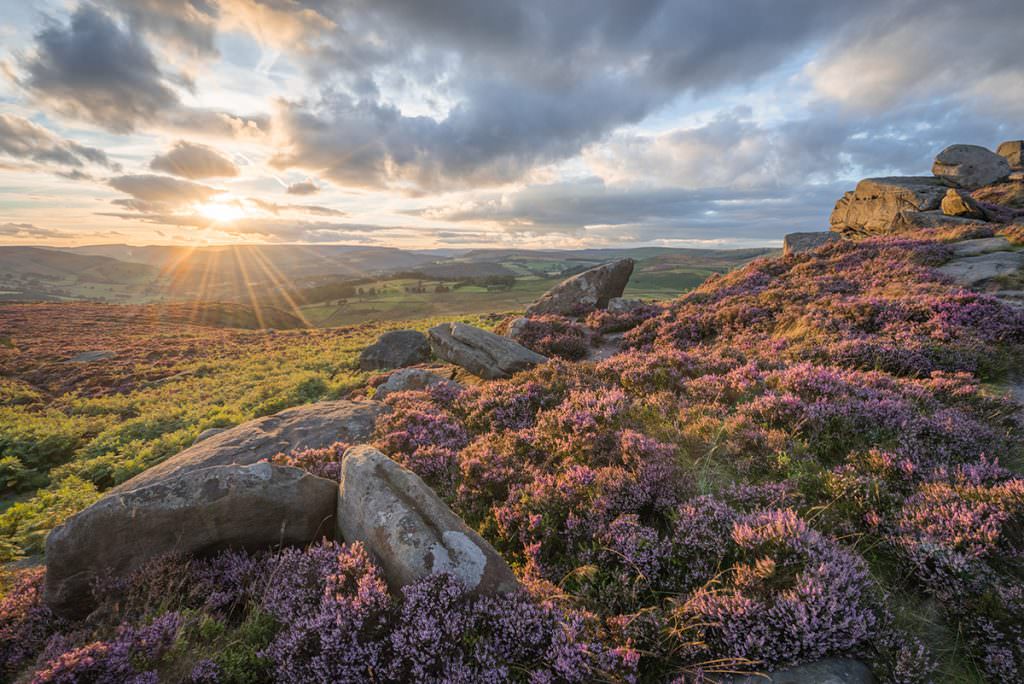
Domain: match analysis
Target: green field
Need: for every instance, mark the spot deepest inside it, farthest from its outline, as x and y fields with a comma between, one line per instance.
x=393, y=303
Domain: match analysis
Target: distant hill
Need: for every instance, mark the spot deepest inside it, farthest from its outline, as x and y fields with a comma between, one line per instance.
x=36, y=273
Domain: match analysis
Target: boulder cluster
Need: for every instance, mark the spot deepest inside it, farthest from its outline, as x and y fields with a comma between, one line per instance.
x=969, y=184
x=224, y=492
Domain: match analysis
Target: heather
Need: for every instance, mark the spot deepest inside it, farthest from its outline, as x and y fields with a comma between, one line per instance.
x=811, y=456
x=767, y=467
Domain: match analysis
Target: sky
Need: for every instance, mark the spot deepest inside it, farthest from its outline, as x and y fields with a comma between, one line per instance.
x=482, y=123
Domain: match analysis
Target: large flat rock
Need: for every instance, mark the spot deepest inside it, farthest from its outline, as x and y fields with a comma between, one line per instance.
x=828, y=671
x=481, y=352
x=974, y=270
x=966, y=248
x=395, y=349
x=233, y=506
x=312, y=426
x=874, y=207
x=409, y=530
x=585, y=292
x=795, y=243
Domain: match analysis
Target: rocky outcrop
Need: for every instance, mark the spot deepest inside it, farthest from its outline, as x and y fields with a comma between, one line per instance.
x=970, y=166
x=960, y=204
x=795, y=243
x=232, y=506
x=585, y=291
x=312, y=426
x=1013, y=152
x=408, y=379
x=975, y=270
x=828, y=671
x=396, y=349
x=876, y=205
x=482, y=353
x=409, y=530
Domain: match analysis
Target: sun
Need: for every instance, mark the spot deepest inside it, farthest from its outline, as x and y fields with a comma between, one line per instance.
x=222, y=212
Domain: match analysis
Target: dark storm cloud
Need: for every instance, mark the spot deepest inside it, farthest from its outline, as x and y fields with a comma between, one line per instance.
x=194, y=161
x=94, y=70
x=22, y=139
x=164, y=190
x=531, y=83
x=303, y=188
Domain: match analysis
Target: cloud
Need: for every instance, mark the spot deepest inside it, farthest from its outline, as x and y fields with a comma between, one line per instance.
x=518, y=86
x=306, y=187
x=643, y=213
x=275, y=208
x=94, y=70
x=188, y=24
x=971, y=53
x=194, y=161
x=163, y=191
x=22, y=139
x=28, y=230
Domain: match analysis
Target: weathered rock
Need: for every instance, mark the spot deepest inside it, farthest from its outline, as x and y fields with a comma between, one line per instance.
x=828, y=671
x=481, y=352
x=207, y=433
x=970, y=166
x=795, y=243
x=312, y=426
x=517, y=327
x=409, y=379
x=622, y=305
x=974, y=270
x=90, y=356
x=966, y=248
x=915, y=220
x=585, y=291
x=245, y=507
x=959, y=203
x=1013, y=152
x=396, y=349
x=409, y=530
x=875, y=205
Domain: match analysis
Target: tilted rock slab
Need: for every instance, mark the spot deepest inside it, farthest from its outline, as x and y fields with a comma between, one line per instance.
x=966, y=248
x=409, y=530
x=974, y=270
x=970, y=166
x=233, y=506
x=312, y=426
x=874, y=207
x=585, y=291
x=795, y=243
x=482, y=353
x=395, y=349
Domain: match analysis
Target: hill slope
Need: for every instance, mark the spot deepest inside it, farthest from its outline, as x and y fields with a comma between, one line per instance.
x=793, y=461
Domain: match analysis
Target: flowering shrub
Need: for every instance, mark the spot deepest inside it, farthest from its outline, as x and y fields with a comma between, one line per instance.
x=553, y=336
x=25, y=623
x=324, y=462
x=768, y=463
